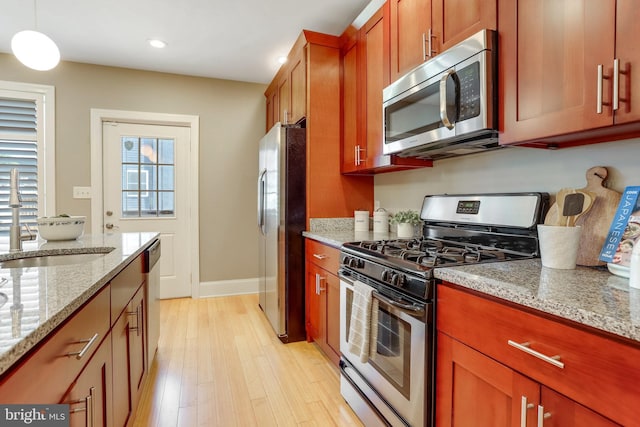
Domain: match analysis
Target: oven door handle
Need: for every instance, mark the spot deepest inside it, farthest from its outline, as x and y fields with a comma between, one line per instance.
x=412, y=308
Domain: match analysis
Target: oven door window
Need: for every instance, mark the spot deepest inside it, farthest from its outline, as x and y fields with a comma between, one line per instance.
x=392, y=359
x=393, y=350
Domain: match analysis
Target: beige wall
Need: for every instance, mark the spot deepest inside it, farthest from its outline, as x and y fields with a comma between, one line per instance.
x=232, y=117
x=511, y=169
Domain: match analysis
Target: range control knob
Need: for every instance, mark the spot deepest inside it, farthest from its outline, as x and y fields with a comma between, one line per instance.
x=386, y=276
x=397, y=279
x=346, y=260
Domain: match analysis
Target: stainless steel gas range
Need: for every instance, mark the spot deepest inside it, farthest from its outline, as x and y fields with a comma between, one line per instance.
x=395, y=384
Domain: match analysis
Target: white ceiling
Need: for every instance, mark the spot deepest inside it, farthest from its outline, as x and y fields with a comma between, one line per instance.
x=227, y=39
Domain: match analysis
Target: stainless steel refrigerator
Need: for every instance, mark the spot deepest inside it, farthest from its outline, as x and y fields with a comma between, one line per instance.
x=281, y=220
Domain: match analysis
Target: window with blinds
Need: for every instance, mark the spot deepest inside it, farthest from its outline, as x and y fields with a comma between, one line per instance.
x=19, y=149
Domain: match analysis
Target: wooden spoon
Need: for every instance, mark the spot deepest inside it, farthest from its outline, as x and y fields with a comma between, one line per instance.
x=577, y=204
x=555, y=216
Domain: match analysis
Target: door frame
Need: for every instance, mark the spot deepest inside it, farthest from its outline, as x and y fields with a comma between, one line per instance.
x=98, y=117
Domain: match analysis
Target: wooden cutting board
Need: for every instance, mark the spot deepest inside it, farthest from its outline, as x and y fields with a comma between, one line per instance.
x=596, y=222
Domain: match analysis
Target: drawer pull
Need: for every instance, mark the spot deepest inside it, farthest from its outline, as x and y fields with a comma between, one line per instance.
x=80, y=354
x=88, y=407
x=319, y=256
x=523, y=411
x=525, y=346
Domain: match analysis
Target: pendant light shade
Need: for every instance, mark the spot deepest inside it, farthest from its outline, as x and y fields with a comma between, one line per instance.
x=35, y=50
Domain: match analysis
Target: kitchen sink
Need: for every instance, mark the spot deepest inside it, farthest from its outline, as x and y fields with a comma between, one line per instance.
x=51, y=260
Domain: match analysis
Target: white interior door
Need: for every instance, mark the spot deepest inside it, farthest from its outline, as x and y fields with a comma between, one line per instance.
x=146, y=188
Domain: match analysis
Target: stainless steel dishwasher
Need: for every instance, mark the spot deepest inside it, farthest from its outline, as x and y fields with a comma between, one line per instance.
x=152, y=270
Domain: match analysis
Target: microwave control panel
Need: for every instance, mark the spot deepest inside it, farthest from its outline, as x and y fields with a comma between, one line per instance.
x=469, y=86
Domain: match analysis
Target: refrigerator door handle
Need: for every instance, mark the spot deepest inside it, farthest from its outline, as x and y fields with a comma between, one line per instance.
x=261, y=201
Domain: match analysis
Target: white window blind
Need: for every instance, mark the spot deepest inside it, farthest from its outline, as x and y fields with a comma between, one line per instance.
x=19, y=149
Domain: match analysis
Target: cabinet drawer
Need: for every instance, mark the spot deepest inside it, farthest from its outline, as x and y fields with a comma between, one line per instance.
x=598, y=372
x=125, y=285
x=324, y=256
x=45, y=375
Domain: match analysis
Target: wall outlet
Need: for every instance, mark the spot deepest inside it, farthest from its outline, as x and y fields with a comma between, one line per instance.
x=81, y=192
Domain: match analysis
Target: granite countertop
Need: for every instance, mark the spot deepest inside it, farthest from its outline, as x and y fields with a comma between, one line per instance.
x=588, y=296
x=35, y=300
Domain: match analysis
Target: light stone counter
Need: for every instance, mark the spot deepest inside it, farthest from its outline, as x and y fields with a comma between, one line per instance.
x=588, y=296
x=35, y=300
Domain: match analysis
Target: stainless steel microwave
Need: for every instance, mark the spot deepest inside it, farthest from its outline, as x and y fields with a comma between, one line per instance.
x=447, y=106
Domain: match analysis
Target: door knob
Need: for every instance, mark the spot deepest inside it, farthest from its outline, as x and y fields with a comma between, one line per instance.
x=108, y=226
x=109, y=213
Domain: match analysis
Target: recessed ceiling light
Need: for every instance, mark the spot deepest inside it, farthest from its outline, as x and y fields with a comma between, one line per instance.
x=282, y=59
x=157, y=43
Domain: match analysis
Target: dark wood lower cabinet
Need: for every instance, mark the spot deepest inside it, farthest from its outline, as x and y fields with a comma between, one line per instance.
x=475, y=390
x=129, y=366
x=90, y=395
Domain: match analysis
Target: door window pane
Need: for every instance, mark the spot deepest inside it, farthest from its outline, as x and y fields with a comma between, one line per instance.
x=148, y=177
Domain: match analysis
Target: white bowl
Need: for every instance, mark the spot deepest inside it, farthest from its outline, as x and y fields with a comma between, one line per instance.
x=61, y=227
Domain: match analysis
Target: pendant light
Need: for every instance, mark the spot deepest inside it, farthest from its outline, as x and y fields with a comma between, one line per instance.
x=34, y=49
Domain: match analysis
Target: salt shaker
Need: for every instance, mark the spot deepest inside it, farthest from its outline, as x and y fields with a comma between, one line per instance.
x=634, y=266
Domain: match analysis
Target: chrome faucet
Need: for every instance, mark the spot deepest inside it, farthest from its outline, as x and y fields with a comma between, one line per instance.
x=15, y=203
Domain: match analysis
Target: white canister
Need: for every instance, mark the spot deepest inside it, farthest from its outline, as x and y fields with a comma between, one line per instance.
x=361, y=221
x=381, y=221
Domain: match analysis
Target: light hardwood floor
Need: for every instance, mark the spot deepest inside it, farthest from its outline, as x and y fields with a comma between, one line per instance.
x=219, y=363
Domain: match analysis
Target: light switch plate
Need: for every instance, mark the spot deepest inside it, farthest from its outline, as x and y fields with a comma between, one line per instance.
x=81, y=192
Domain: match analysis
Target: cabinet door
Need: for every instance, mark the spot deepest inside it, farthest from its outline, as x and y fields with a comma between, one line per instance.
x=376, y=77
x=351, y=148
x=474, y=390
x=315, y=304
x=409, y=31
x=333, y=316
x=272, y=108
x=298, y=80
x=129, y=366
x=284, y=99
x=559, y=411
x=90, y=395
x=137, y=341
x=628, y=55
x=455, y=20
x=549, y=58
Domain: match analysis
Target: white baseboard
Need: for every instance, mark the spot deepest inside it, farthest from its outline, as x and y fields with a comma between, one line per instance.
x=228, y=287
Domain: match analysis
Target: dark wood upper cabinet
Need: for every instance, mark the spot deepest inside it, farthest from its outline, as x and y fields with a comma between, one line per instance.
x=410, y=26
x=557, y=71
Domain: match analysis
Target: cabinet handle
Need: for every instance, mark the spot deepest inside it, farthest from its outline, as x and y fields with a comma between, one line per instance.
x=523, y=411
x=424, y=46
x=358, y=158
x=88, y=407
x=601, y=77
x=542, y=415
x=319, y=256
x=137, y=314
x=525, y=346
x=616, y=81
x=599, y=91
x=430, y=36
x=319, y=288
x=80, y=354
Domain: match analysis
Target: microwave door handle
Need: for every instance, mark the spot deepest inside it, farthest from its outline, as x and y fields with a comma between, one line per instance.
x=443, y=100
